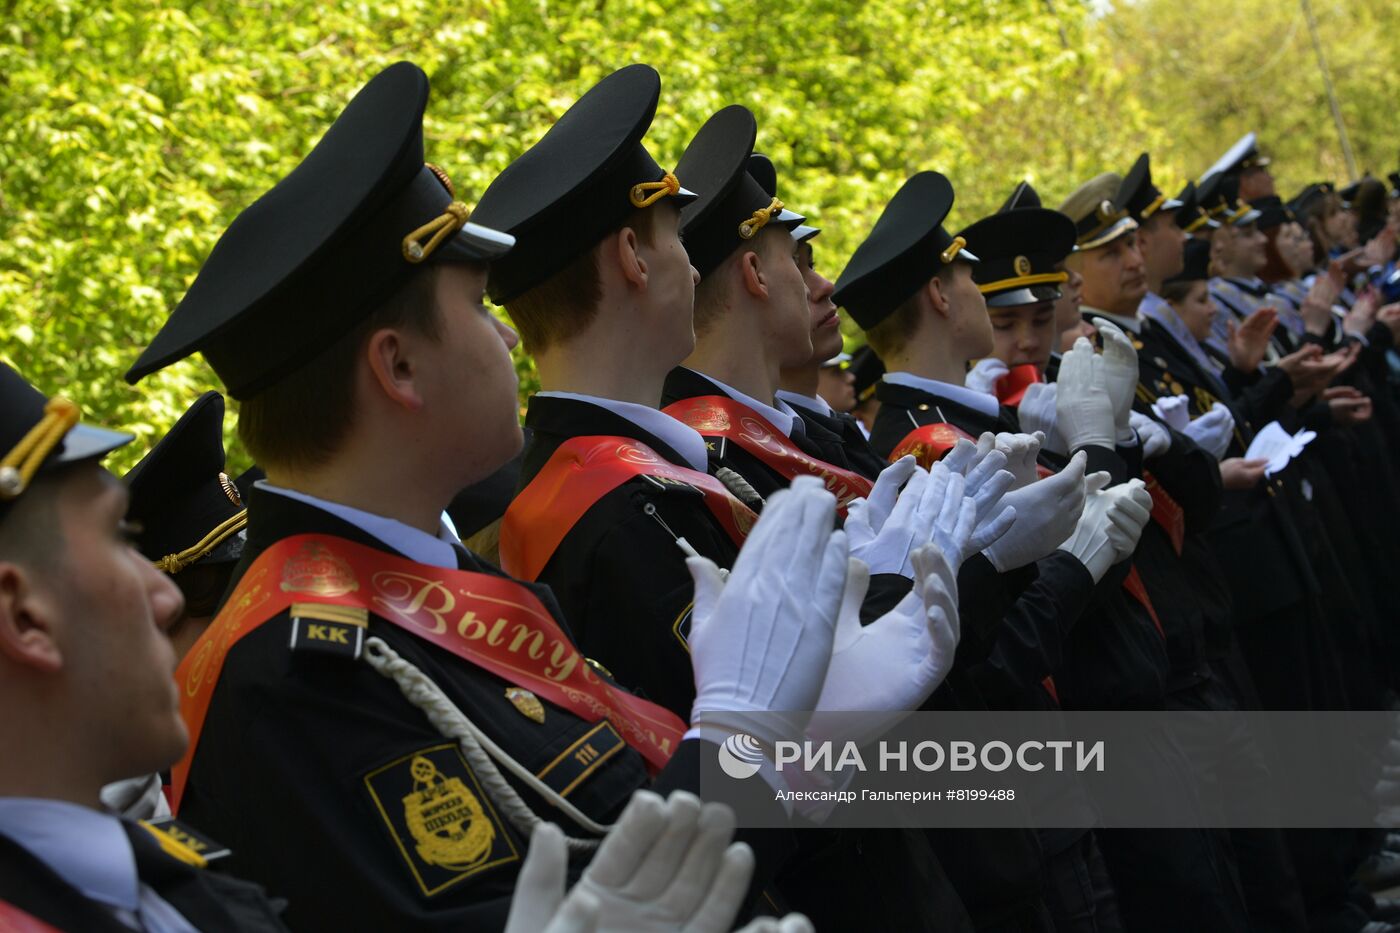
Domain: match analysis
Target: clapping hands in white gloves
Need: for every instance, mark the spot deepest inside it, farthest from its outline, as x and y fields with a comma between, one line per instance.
x=1174, y=410
x=1213, y=430
x=1021, y=452
x=1156, y=439
x=1046, y=513
x=1112, y=522
x=1120, y=369
x=1037, y=416
x=667, y=865
x=885, y=530
x=984, y=375
x=762, y=641
x=1084, y=409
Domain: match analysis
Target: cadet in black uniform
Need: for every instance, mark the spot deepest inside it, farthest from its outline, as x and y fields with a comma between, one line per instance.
x=86, y=697
x=352, y=712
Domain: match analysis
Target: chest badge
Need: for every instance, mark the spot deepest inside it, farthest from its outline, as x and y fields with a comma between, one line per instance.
x=526, y=702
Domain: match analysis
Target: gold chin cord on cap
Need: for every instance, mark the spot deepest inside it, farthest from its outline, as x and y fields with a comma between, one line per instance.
x=749, y=228
x=19, y=465
x=174, y=563
x=453, y=218
x=951, y=253
x=668, y=187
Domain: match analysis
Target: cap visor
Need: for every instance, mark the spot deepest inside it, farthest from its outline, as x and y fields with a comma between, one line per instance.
x=1170, y=204
x=1016, y=297
x=788, y=219
x=965, y=256
x=475, y=243
x=85, y=441
x=802, y=233
x=837, y=360
x=683, y=197
x=1247, y=219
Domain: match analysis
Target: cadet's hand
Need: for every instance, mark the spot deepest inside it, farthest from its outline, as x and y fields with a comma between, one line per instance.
x=1156, y=439
x=1213, y=430
x=1109, y=528
x=538, y=903
x=1347, y=404
x=1249, y=341
x=1120, y=369
x=1084, y=410
x=1307, y=372
x=1380, y=249
x=1358, y=320
x=1046, y=513
x=1174, y=410
x=667, y=865
x=1317, y=303
x=762, y=641
x=895, y=662
x=1238, y=473
x=1021, y=451
x=1037, y=415
x=986, y=484
x=983, y=377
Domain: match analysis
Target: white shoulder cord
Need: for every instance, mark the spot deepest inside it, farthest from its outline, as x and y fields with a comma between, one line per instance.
x=477, y=747
x=740, y=487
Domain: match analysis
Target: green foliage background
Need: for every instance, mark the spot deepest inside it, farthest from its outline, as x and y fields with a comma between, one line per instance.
x=132, y=131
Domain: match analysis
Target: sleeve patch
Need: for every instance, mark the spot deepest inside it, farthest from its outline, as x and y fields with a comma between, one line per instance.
x=439, y=817
x=586, y=755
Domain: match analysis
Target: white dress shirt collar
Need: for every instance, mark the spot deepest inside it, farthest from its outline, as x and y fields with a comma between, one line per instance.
x=978, y=401
x=813, y=403
x=414, y=544
x=781, y=417
x=84, y=847
x=679, y=436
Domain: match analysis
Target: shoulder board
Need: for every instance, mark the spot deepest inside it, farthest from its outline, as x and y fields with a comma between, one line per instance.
x=329, y=629
x=182, y=841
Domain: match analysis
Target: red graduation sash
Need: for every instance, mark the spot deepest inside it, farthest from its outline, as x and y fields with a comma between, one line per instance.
x=721, y=416
x=493, y=622
x=1166, y=512
x=930, y=443
x=14, y=920
x=579, y=473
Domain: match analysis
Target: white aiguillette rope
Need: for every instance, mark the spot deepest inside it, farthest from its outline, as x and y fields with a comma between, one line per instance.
x=478, y=748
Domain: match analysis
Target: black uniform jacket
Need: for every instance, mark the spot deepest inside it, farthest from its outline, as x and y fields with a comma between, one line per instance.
x=619, y=575
x=321, y=776
x=838, y=436
x=210, y=900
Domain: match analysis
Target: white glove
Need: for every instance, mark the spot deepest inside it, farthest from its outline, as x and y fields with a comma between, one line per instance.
x=667, y=865
x=1112, y=522
x=983, y=377
x=895, y=662
x=1084, y=410
x=762, y=641
x=986, y=484
x=1021, y=451
x=1156, y=439
x=792, y=923
x=1046, y=513
x=1120, y=368
x=1213, y=430
x=884, y=530
x=1037, y=415
x=1174, y=410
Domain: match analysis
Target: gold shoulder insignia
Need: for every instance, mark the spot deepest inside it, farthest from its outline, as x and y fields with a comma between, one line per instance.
x=440, y=819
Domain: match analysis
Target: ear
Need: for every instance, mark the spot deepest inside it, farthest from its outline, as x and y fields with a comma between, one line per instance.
x=626, y=251
x=750, y=270
x=27, y=619
x=938, y=298
x=392, y=369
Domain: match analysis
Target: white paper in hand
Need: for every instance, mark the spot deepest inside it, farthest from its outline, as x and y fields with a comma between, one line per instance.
x=1277, y=446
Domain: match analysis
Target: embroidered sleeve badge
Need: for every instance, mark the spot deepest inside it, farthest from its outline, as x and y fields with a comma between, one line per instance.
x=441, y=820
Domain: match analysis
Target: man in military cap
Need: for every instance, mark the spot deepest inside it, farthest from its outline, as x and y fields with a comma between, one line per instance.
x=1159, y=237
x=1191, y=217
x=342, y=704
x=867, y=368
x=1247, y=166
x=86, y=697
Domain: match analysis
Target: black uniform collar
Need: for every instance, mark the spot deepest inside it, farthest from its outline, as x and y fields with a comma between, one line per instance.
x=556, y=420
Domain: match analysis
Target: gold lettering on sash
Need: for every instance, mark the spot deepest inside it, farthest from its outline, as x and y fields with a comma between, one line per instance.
x=405, y=596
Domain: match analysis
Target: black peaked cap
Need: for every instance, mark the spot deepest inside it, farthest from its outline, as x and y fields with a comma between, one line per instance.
x=763, y=171
x=1019, y=251
x=180, y=494
x=1143, y=197
x=1272, y=211
x=1219, y=195
x=1196, y=267
x=576, y=185
x=1022, y=197
x=715, y=164
x=867, y=368
x=22, y=408
x=324, y=248
x=906, y=248
x=1191, y=216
